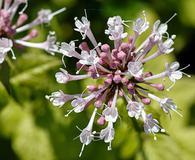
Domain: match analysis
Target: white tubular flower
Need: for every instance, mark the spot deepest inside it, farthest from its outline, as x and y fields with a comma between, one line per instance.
x=89, y=58
x=108, y=134
x=151, y=125
x=44, y=16
x=140, y=25
x=64, y=76
x=5, y=47
x=86, y=135
x=51, y=44
x=135, y=68
x=114, y=21
x=58, y=98
x=159, y=30
x=115, y=28
x=67, y=49
x=167, y=104
x=82, y=26
x=174, y=73
x=165, y=47
x=79, y=103
x=135, y=109
x=111, y=113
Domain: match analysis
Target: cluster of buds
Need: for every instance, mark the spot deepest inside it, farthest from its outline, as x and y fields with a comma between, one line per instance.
x=10, y=28
x=121, y=68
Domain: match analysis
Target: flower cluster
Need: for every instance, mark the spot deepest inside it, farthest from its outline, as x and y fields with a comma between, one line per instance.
x=9, y=28
x=122, y=71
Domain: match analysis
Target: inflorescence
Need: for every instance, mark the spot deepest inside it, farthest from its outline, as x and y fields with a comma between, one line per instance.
x=121, y=67
x=9, y=28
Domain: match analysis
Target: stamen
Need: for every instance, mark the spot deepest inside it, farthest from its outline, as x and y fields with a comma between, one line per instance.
x=83, y=146
x=77, y=72
x=171, y=18
x=155, y=138
x=85, y=11
x=79, y=128
x=97, y=74
x=26, y=5
x=63, y=61
x=187, y=74
x=144, y=14
x=126, y=21
x=83, y=92
x=184, y=67
x=56, y=12
x=13, y=55
x=98, y=45
x=76, y=137
x=178, y=113
x=70, y=111
x=110, y=146
x=161, y=129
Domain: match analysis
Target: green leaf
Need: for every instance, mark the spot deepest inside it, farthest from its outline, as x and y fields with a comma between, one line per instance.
x=41, y=64
x=4, y=96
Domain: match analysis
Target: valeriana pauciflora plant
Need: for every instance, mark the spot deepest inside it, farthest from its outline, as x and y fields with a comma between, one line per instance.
x=121, y=68
x=9, y=28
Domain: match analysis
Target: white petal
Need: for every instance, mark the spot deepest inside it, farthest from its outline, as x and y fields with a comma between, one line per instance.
x=162, y=28
x=174, y=66
x=176, y=75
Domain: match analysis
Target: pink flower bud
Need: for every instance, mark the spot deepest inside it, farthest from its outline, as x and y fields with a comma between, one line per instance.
x=84, y=46
x=98, y=103
x=125, y=80
x=105, y=48
x=114, y=53
x=158, y=86
x=130, y=86
x=101, y=120
x=146, y=101
x=103, y=55
x=33, y=33
x=124, y=47
x=91, y=88
x=130, y=39
x=110, y=76
x=121, y=55
x=117, y=79
x=108, y=81
x=22, y=19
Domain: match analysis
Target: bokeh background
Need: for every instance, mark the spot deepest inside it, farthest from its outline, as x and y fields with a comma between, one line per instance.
x=32, y=129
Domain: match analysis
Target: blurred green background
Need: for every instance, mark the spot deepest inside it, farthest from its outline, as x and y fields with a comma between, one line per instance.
x=32, y=129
